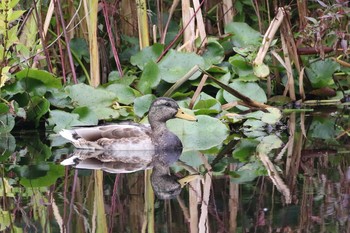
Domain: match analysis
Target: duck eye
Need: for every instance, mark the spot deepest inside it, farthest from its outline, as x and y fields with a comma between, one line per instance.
x=167, y=104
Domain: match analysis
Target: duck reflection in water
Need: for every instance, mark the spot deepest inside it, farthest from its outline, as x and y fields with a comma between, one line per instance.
x=142, y=146
x=165, y=185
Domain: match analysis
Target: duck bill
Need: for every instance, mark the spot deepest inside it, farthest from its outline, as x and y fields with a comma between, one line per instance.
x=187, y=179
x=181, y=114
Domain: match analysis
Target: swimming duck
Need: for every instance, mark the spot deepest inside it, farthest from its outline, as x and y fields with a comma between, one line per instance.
x=133, y=136
x=165, y=184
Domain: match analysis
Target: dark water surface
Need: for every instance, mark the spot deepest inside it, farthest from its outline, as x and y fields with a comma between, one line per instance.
x=303, y=186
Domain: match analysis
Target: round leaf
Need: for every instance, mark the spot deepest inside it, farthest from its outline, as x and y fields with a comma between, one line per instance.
x=204, y=134
x=142, y=104
x=251, y=90
x=176, y=64
x=147, y=54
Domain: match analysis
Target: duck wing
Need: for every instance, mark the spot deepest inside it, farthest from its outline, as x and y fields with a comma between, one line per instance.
x=111, y=137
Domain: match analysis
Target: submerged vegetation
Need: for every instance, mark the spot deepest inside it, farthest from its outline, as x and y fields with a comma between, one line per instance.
x=243, y=68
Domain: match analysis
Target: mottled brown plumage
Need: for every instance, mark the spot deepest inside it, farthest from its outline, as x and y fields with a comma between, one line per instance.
x=132, y=136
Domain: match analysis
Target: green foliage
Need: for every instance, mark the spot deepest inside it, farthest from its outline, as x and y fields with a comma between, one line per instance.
x=320, y=73
x=191, y=133
x=243, y=34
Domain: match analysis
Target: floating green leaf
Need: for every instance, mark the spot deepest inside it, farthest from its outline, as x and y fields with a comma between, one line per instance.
x=124, y=93
x=38, y=107
x=7, y=122
x=176, y=64
x=240, y=65
x=243, y=34
x=245, y=149
x=43, y=76
x=63, y=120
x=268, y=143
x=86, y=116
x=142, y=104
x=204, y=134
x=261, y=70
x=150, y=78
x=80, y=47
x=85, y=95
x=251, y=90
x=320, y=73
x=246, y=173
x=146, y=55
x=214, y=53
x=206, y=105
x=4, y=108
x=44, y=176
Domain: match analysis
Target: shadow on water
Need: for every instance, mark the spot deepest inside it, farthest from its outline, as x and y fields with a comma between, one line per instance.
x=290, y=179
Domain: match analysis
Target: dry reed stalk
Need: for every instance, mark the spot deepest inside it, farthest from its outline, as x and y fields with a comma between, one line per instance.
x=293, y=171
x=301, y=84
x=189, y=32
x=171, y=12
x=194, y=195
x=57, y=216
x=184, y=209
x=111, y=38
x=142, y=22
x=127, y=12
x=198, y=91
x=302, y=12
x=233, y=202
x=93, y=43
x=203, y=225
x=291, y=127
x=99, y=221
x=149, y=203
x=48, y=17
x=269, y=35
x=290, y=83
x=200, y=23
x=227, y=8
x=275, y=177
x=67, y=39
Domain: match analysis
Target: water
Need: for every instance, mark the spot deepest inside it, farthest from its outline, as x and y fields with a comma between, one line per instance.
x=239, y=193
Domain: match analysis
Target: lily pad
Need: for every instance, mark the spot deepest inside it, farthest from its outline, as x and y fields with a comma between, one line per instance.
x=7, y=122
x=176, y=64
x=321, y=72
x=142, y=104
x=206, y=105
x=124, y=93
x=261, y=70
x=151, y=53
x=86, y=116
x=251, y=90
x=204, y=134
x=268, y=143
x=243, y=34
x=49, y=175
x=63, y=120
x=214, y=53
x=246, y=173
x=38, y=107
x=150, y=78
x=244, y=149
x=240, y=65
x=43, y=76
x=85, y=95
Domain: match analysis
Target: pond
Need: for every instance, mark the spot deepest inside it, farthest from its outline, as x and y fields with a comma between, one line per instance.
x=298, y=180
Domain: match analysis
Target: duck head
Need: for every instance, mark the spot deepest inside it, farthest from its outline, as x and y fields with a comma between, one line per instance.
x=163, y=109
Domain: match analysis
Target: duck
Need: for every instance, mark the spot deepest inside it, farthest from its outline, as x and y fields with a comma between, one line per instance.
x=133, y=136
x=165, y=184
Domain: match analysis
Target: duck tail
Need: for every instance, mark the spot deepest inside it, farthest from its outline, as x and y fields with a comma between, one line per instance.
x=68, y=134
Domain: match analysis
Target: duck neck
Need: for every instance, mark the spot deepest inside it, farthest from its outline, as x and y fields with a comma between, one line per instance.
x=158, y=127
